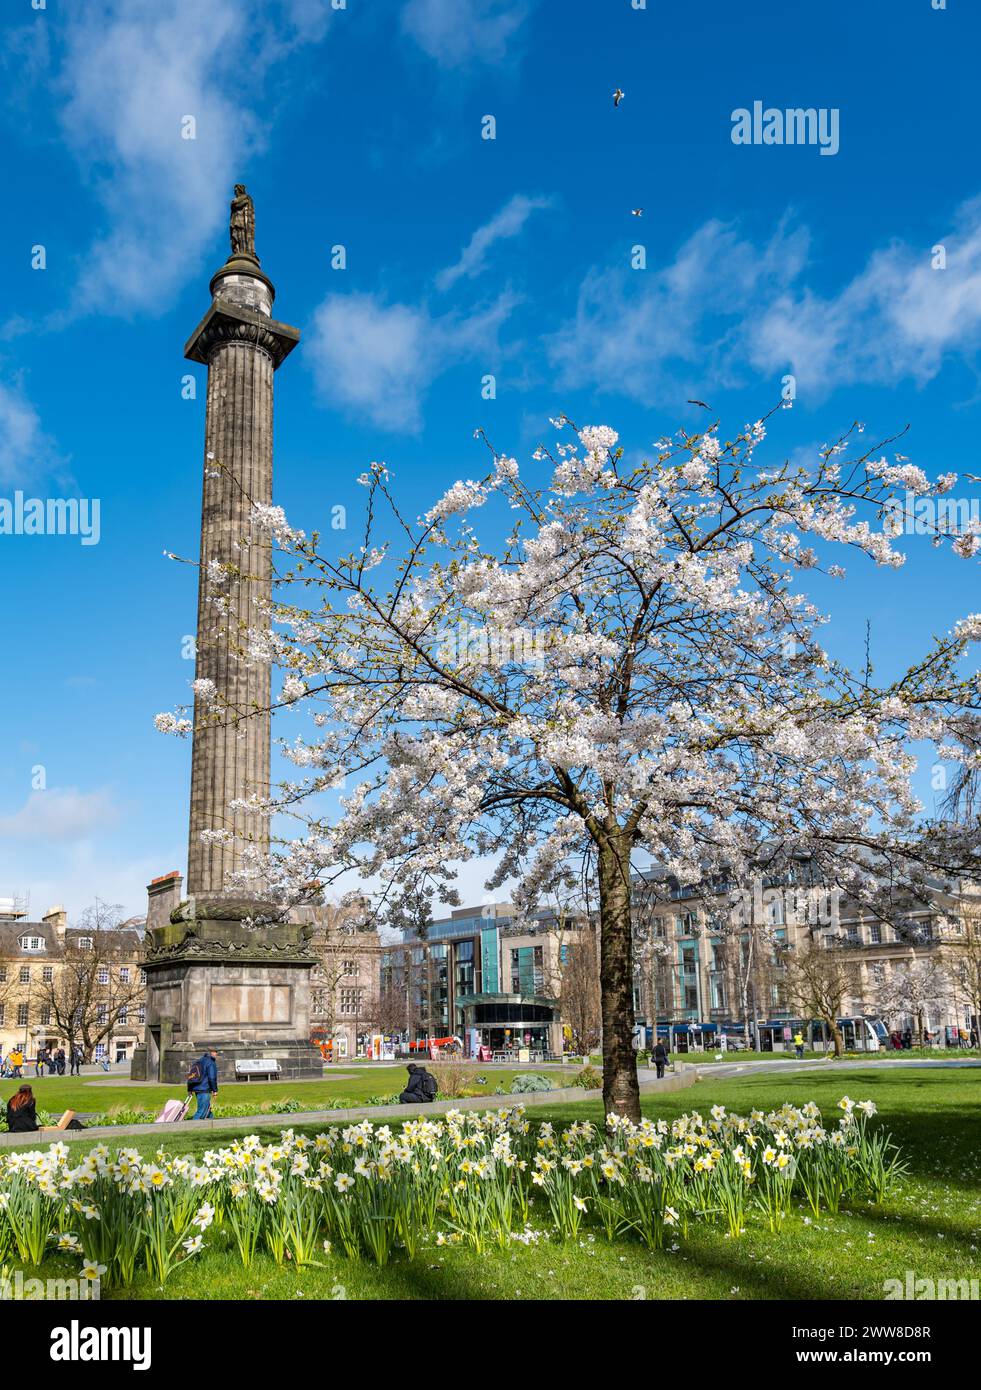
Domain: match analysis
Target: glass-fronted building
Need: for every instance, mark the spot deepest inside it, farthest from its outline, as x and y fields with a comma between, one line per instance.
x=481, y=976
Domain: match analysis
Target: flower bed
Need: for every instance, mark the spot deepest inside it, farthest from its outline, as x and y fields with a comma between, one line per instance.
x=477, y=1178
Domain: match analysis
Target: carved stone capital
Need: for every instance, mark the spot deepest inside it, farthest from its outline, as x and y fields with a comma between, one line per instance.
x=229, y=323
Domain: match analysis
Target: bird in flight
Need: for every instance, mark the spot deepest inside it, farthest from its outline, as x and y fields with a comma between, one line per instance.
x=636, y=212
x=701, y=403
x=617, y=97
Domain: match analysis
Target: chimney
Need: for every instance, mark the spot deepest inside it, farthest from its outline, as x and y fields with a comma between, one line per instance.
x=56, y=917
x=163, y=894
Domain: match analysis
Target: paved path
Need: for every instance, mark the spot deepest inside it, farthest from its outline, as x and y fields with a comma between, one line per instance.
x=678, y=1080
x=684, y=1075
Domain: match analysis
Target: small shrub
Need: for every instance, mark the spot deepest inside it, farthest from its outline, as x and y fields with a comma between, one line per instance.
x=453, y=1079
x=530, y=1081
x=589, y=1078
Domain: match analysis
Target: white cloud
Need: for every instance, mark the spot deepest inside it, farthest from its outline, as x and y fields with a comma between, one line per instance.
x=457, y=32
x=378, y=360
x=61, y=813
x=725, y=305
x=646, y=333
x=132, y=71
x=506, y=223
x=24, y=447
x=77, y=874
x=897, y=319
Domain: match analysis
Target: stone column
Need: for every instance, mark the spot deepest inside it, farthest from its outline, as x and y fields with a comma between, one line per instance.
x=242, y=346
x=223, y=970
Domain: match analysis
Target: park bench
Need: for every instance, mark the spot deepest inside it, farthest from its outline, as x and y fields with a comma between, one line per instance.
x=265, y=1067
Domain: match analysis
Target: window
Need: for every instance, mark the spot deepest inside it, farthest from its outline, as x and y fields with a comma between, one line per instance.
x=123, y=1016
x=44, y=1017
x=22, y=1015
x=47, y=974
x=141, y=1014
x=25, y=974
x=350, y=967
x=32, y=943
x=124, y=974
x=3, y=974
x=102, y=1014
x=85, y=943
x=875, y=933
x=103, y=976
x=142, y=976
x=3, y=1012
x=352, y=1001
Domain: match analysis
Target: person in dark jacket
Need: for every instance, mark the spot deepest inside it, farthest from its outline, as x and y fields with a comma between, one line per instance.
x=60, y=1061
x=206, y=1085
x=421, y=1087
x=660, y=1056
x=22, y=1111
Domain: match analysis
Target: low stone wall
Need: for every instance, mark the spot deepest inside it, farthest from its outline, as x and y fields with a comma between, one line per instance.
x=678, y=1080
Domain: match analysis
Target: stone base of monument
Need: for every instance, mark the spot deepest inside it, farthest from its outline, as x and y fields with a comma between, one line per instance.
x=226, y=982
x=297, y=1060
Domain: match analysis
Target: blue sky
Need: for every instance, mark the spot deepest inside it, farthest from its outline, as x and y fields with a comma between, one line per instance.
x=361, y=127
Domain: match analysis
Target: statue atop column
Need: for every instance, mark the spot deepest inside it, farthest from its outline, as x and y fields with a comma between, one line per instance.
x=241, y=226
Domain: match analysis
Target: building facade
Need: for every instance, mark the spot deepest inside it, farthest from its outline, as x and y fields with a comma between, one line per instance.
x=51, y=973
x=344, y=1000
x=484, y=976
x=699, y=974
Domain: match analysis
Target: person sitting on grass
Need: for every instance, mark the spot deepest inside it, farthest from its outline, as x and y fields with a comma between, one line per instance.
x=22, y=1111
x=421, y=1088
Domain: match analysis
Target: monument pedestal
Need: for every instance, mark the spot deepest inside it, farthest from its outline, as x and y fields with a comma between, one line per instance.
x=218, y=982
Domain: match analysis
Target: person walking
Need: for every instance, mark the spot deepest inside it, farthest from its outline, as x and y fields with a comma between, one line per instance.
x=202, y=1082
x=660, y=1056
x=799, y=1043
x=22, y=1111
x=77, y=1054
x=16, y=1060
x=421, y=1088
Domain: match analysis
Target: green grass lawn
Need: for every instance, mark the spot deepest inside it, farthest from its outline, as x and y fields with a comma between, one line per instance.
x=930, y=1224
x=90, y=1093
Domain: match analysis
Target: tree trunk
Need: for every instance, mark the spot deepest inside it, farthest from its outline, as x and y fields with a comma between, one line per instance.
x=621, y=1094
x=838, y=1039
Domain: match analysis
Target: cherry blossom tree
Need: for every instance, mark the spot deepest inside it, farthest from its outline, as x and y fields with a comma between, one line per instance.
x=915, y=990
x=625, y=667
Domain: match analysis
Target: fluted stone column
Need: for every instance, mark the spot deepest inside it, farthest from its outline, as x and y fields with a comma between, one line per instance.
x=242, y=345
x=223, y=968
